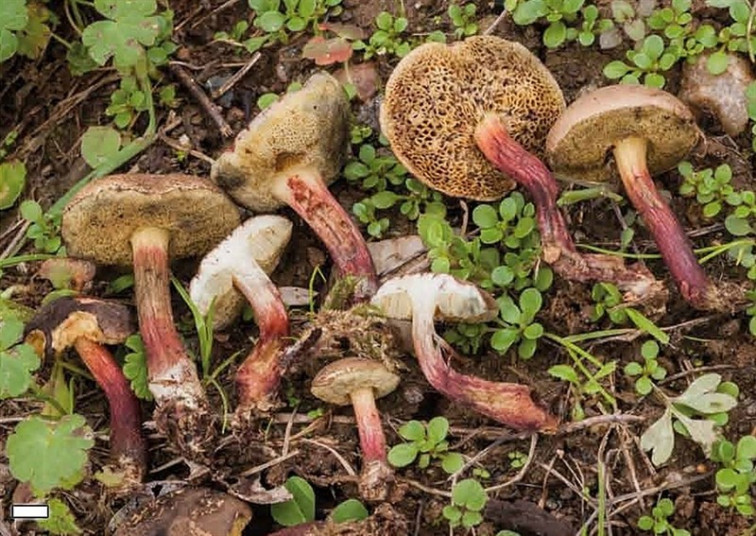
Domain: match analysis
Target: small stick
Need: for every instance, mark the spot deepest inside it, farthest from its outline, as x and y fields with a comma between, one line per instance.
x=212, y=110
x=231, y=82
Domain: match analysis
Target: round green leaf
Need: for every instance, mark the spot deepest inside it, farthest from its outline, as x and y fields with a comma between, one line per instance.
x=349, y=510
x=412, y=431
x=100, y=145
x=717, y=62
x=403, y=454
x=12, y=182
x=270, y=21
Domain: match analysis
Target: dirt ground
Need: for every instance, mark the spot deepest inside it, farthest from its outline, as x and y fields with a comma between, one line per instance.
x=50, y=109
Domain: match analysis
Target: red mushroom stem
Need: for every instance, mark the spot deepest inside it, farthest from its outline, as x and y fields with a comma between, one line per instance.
x=506, y=403
x=307, y=194
x=674, y=245
x=172, y=375
x=512, y=159
x=126, y=443
x=257, y=379
x=372, y=439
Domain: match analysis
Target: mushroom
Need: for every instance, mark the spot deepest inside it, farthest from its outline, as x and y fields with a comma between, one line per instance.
x=423, y=297
x=144, y=221
x=87, y=324
x=648, y=131
x=188, y=512
x=469, y=120
x=287, y=155
x=359, y=382
x=237, y=268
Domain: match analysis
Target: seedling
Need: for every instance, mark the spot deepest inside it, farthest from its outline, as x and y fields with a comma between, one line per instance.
x=658, y=521
x=517, y=459
x=135, y=367
x=44, y=228
x=647, y=371
x=518, y=324
x=467, y=502
x=645, y=65
x=387, y=39
x=711, y=187
x=463, y=20
x=705, y=397
x=12, y=182
x=424, y=444
x=562, y=15
x=301, y=507
x=736, y=475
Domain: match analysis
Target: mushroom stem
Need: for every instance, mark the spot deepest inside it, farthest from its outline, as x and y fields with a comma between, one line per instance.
x=305, y=192
x=674, y=245
x=376, y=473
x=559, y=250
x=258, y=377
x=172, y=375
x=127, y=446
x=506, y=403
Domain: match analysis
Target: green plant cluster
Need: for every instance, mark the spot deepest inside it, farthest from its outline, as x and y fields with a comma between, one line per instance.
x=425, y=443
x=388, y=38
x=568, y=20
x=736, y=474
x=658, y=522
x=648, y=371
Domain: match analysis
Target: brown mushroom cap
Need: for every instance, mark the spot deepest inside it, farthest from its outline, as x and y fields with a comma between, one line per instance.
x=308, y=128
x=99, y=221
x=579, y=141
x=335, y=381
x=189, y=512
x=58, y=324
x=438, y=94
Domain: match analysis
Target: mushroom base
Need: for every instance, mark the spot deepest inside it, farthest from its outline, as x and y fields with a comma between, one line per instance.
x=258, y=378
x=376, y=474
x=191, y=430
x=307, y=194
x=559, y=251
x=376, y=480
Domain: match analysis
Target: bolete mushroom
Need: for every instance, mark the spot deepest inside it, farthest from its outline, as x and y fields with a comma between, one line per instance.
x=188, y=512
x=144, y=221
x=238, y=268
x=287, y=156
x=425, y=297
x=470, y=119
x=647, y=131
x=359, y=382
x=87, y=324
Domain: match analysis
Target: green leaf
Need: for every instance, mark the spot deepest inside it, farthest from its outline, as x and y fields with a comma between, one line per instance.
x=530, y=301
x=564, y=372
x=12, y=182
x=484, y=216
x=403, y=454
x=300, y=509
x=452, y=462
x=31, y=211
x=349, y=510
x=717, y=62
x=644, y=324
x=48, y=455
x=470, y=519
x=470, y=494
x=385, y=199
x=738, y=226
x=270, y=21
x=61, y=519
x=135, y=367
x=503, y=339
x=555, y=34
x=746, y=449
x=644, y=385
x=438, y=427
x=412, y=431
x=13, y=16
x=615, y=69
x=453, y=514
x=633, y=369
x=16, y=367
x=100, y=145
x=384, y=21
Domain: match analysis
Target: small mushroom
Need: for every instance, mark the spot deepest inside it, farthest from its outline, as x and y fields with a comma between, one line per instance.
x=648, y=131
x=287, y=156
x=87, y=324
x=359, y=382
x=470, y=119
x=425, y=297
x=238, y=268
x=144, y=221
x=189, y=512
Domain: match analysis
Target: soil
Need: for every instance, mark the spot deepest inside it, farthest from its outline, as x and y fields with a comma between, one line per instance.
x=50, y=109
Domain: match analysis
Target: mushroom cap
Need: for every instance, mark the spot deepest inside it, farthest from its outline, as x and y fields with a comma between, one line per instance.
x=438, y=94
x=579, y=141
x=99, y=221
x=335, y=381
x=260, y=240
x=58, y=324
x=308, y=128
x=452, y=299
x=189, y=512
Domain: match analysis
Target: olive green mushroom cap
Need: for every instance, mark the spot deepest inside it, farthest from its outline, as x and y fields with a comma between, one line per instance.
x=308, y=128
x=58, y=324
x=99, y=221
x=579, y=142
x=449, y=298
x=249, y=253
x=335, y=381
x=438, y=94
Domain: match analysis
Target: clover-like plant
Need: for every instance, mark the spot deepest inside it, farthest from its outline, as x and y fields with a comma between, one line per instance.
x=711, y=187
x=658, y=521
x=44, y=228
x=424, y=444
x=467, y=502
x=646, y=65
x=387, y=39
x=648, y=371
x=463, y=20
x=518, y=323
x=736, y=474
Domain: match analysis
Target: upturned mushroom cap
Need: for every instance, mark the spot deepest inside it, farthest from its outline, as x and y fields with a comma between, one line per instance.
x=335, y=381
x=58, y=324
x=453, y=299
x=438, y=94
x=578, y=143
x=259, y=240
x=99, y=221
x=189, y=512
x=308, y=128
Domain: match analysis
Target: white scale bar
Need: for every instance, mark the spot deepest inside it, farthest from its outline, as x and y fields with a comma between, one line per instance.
x=30, y=511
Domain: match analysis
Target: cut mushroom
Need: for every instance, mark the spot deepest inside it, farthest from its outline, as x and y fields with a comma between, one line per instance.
x=147, y=220
x=648, y=131
x=425, y=297
x=87, y=324
x=287, y=155
x=238, y=268
x=359, y=382
x=189, y=512
x=469, y=120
